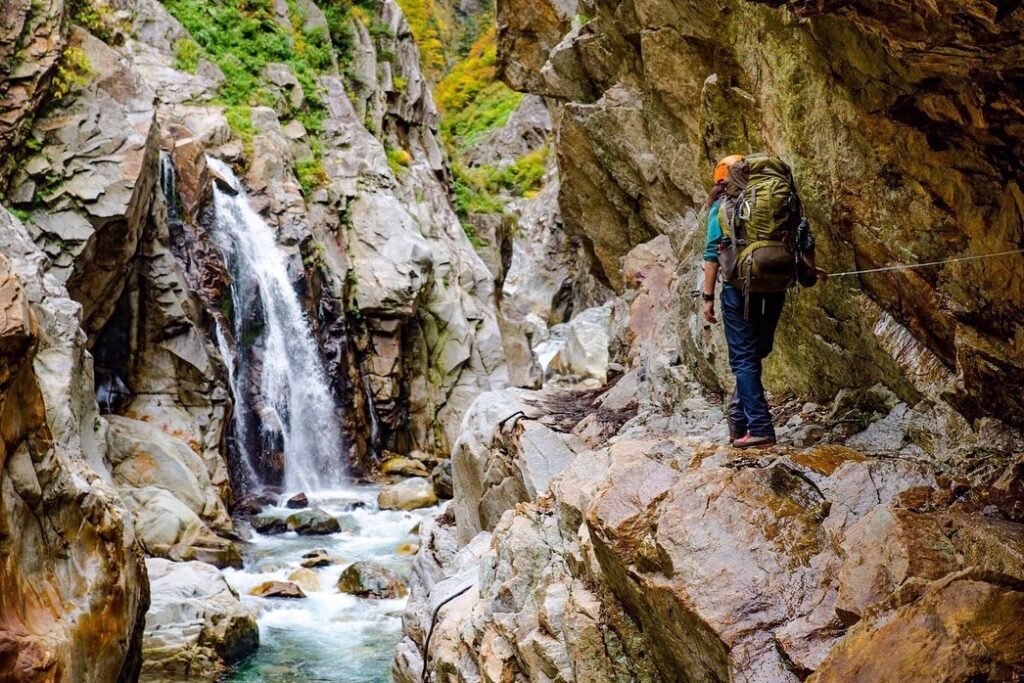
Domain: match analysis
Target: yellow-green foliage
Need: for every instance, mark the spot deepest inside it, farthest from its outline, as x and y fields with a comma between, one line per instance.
x=186, y=55
x=521, y=178
x=399, y=160
x=73, y=70
x=471, y=99
x=97, y=17
x=481, y=189
x=311, y=175
x=432, y=31
x=240, y=120
x=473, y=103
x=470, y=196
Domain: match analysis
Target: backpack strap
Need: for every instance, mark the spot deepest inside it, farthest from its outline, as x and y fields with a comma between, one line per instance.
x=723, y=219
x=732, y=227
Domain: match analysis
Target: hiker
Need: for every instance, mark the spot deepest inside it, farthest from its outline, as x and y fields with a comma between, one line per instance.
x=760, y=243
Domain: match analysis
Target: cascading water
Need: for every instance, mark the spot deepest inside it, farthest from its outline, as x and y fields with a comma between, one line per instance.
x=283, y=403
x=294, y=400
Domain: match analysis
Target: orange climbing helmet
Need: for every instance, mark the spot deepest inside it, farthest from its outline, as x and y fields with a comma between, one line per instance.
x=722, y=169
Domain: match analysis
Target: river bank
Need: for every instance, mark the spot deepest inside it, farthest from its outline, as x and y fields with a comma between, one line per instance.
x=327, y=635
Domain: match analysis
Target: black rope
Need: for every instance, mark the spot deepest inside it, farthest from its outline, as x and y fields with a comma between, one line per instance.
x=430, y=631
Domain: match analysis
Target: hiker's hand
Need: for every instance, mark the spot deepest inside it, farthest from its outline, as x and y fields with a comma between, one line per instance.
x=709, y=312
x=821, y=273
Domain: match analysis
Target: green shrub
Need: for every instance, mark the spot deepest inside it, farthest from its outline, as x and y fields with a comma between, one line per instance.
x=97, y=18
x=380, y=30
x=471, y=234
x=399, y=160
x=484, y=189
x=186, y=55
x=471, y=99
x=432, y=29
x=470, y=195
x=21, y=214
x=242, y=37
x=240, y=120
x=521, y=177
x=311, y=175
x=73, y=70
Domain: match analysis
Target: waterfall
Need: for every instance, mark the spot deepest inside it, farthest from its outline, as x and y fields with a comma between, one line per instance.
x=239, y=417
x=293, y=403
x=169, y=187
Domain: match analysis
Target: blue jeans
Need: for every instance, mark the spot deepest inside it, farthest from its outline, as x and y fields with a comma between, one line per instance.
x=750, y=341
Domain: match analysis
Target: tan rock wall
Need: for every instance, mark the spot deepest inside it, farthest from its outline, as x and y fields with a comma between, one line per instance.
x=73, y=589
x=898, y=120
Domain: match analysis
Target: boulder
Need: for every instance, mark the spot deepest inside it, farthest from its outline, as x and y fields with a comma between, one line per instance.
x=962, y=628
x=368, y=579
x=286, y=86
x=441, y=479
x=168, y=528
x=586, y=348
x=410, y=494
x=254, y=503
x=297, y=502
x=503, y=457
x=277, y=589
x=196, y=625
x=143, y=455
x=268, y=524
x=312, y=522
x=319, y=558
x=306, y=579
x=220, y=552
x=406, y=467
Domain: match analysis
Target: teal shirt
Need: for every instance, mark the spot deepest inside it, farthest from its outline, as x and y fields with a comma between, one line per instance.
x=714, y=234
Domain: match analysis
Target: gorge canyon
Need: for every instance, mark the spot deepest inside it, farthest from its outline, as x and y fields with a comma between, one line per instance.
x=360, y=340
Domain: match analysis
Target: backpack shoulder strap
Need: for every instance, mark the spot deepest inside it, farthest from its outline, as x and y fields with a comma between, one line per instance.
x=723, y=219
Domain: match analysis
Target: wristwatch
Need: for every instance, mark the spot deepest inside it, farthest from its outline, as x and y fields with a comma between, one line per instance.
x=707, y=297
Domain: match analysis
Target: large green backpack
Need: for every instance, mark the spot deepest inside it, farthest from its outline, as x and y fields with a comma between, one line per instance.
x=760, y=226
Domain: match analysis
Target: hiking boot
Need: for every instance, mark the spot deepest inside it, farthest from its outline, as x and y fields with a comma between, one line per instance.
x=735, y=418
x=750, y=441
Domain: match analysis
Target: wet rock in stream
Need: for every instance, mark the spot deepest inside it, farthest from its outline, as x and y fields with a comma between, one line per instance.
x=306, y=579
x=278, y=589
x=410, y=494
x=313, y=522
x=405, y=467
x=196, y=624
x=268, y=524
x=368, y=579
x=319, y=558
x=297, y=502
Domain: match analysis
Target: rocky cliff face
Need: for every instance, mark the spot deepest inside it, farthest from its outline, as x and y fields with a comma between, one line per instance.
x=890, y=117
x=72, y=581
x=109, y=110
x=607, y=535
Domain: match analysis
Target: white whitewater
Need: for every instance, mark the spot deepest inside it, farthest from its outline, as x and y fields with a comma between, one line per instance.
x=328, y=637
x=295, y=397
